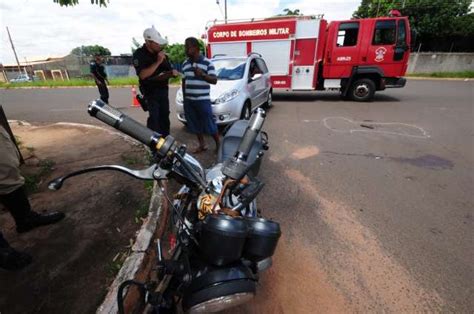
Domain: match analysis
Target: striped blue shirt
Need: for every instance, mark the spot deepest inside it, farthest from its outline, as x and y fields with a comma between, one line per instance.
x=197, y=88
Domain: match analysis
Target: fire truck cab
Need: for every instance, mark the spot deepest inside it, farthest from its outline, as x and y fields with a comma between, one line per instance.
x=304, y=53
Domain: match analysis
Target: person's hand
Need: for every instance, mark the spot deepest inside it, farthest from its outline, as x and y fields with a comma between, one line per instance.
x=198, y=72
x=175, y=73
x=161, y=56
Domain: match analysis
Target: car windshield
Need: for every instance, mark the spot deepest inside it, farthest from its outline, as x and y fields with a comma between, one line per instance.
x=229, y=69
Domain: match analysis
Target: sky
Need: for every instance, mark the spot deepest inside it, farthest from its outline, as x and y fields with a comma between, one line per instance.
x=41, y=28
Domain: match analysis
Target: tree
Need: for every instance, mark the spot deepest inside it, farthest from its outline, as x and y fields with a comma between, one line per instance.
x=135, y=45
x=291, y=12
x=429, y=17
x=464, y=25
x=89, y=51
x=175, y=53
x=75, y=2
x=433, y=20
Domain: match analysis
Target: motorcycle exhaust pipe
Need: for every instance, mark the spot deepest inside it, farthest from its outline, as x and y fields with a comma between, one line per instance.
x=251, y=133
x=236, y=168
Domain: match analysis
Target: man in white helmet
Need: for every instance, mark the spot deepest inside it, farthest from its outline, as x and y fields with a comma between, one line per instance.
x=154, y=71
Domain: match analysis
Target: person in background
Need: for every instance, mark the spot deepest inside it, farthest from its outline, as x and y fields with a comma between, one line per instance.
x=98, y=72
x=199, y=73
x=14, y=199
x=154, y=71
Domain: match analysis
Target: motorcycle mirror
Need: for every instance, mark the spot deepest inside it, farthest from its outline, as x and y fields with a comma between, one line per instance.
x=56, y=184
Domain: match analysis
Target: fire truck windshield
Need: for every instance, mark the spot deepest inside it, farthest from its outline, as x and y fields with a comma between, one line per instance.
x=229, y=69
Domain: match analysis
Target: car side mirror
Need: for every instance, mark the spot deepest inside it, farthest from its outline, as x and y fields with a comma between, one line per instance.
x=256, y=77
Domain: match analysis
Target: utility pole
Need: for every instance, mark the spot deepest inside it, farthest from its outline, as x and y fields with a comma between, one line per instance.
x=225, y=11
x=14, y=52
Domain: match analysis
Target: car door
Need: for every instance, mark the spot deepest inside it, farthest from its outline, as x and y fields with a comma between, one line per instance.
x=266, y=81
x=253, y=85
x=260, y=83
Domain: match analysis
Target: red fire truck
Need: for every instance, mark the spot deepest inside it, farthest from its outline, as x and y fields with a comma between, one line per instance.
x=304, y=53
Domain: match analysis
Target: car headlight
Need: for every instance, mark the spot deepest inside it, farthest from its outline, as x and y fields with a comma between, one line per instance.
x=179, y=96
x=228, y=96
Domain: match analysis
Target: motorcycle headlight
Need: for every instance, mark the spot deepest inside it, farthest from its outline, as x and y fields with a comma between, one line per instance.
x=217, y=289
x=228, y=96
x=179, y=96
x=221, y=303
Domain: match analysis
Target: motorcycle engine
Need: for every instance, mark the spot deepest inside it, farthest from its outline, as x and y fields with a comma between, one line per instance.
x=207, y=201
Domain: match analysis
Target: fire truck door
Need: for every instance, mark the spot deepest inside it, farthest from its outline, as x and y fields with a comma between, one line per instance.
x=342, y=49
x=385, y=51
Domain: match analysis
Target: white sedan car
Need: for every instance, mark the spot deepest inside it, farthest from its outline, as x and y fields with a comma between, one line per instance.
x=243, y=84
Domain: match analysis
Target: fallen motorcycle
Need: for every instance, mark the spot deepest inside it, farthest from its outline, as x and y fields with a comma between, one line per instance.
x=222, y=242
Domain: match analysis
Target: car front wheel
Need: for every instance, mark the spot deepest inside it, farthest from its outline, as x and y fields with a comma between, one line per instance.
x=269, y=103
x=246, y=111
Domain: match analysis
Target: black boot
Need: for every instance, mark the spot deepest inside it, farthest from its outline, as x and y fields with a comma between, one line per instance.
x=34, y=220
x=11, y=259
x=26, y=219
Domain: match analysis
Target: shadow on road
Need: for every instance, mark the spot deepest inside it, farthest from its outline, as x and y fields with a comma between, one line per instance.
x=323, y=96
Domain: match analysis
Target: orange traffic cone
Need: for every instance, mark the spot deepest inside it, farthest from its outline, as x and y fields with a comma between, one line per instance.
x=135, y=102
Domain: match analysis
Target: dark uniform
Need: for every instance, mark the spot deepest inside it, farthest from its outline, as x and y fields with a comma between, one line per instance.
x=14, y=198
x=155, y=92
x=98, y=70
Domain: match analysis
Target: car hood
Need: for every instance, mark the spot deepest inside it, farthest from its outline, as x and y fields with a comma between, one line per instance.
x=224, y=86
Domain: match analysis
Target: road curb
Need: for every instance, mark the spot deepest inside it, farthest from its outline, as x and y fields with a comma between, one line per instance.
x=427, y=78
x=74, y=87
x=134, y=265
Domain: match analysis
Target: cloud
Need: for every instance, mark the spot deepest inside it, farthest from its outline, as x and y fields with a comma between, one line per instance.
x=43, y=28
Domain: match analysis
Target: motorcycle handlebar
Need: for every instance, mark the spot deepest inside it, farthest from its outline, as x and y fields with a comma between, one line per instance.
x=123, y=123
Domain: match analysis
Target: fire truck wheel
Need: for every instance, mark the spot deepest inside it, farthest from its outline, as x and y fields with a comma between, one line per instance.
x=362, y=90
x=246, y=111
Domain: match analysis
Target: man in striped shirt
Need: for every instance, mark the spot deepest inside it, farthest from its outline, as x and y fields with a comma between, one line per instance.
x=199, y=73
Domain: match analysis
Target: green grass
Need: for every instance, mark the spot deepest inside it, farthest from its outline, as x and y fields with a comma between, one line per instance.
x=462, y=74
x=120, y=81
x=114, y=266
x=130, y=160
x=32, y=181
x=149, y=187
x=141, y=212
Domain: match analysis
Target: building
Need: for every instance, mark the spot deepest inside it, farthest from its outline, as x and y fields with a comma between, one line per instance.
x=65, y=67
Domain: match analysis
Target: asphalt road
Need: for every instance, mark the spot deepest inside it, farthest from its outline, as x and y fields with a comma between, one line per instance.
x=375, y=199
